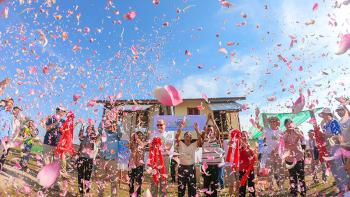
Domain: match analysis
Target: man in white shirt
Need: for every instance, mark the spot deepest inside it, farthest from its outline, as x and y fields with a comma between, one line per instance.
x=187, y=150
x=160, y=141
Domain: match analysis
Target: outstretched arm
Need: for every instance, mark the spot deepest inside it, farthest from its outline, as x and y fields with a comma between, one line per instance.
x=178, y=133
x=199, y=135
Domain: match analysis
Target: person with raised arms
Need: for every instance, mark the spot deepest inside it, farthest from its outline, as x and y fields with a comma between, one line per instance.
x=187, y=150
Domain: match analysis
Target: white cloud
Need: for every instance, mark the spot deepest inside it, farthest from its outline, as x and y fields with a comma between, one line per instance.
x=315, y=54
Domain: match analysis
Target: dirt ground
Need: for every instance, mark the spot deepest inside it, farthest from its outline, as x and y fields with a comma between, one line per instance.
x=16, y=182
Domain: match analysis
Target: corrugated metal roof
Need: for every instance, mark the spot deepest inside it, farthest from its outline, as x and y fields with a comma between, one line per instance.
x=133, y=107
x=225, y=106
x=153, y=101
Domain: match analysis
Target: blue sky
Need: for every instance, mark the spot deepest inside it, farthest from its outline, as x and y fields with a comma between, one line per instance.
x=106, y=65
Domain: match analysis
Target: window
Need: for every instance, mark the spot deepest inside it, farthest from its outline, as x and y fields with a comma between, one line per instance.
x=164, y=110
x=193, y=111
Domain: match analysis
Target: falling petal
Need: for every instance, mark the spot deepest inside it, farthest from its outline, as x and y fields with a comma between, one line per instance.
x=168, y=95
x=48, y=174
x=76, y=97
x=299, y=104
x=271, y=98
x=5, y=12
x=223, y=51
x=344, y=44
x=315, y=7
x=130, y=15
x=155, y=2
x=226, y=4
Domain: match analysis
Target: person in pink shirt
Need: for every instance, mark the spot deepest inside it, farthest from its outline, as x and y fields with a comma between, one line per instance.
x=293, y=138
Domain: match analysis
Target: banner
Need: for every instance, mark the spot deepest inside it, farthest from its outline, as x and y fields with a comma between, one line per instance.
x=172, y=122
x=123, y=151
x=298, y=119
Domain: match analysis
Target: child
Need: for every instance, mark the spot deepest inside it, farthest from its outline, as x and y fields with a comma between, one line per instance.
x=136, y=163
x=29, y=133
x=87, y=154
x=247, y=159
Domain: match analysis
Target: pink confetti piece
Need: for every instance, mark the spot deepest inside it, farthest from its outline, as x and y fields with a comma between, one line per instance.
x=45, y=69
x=5, y=12
x=245, y=106
x=271, y=98
x=76, y=97
x=223, y=51
x=168, y=95
x=91, y=103
x=264, y=172
x=32, y=70
x=130, y=15
x=315, y=7
x=299, y=104
x=86, y=30
x=230, y=44
x=48, y=174
x=344, y=44
x=27, y=189
x=64, y=36
x=134, y=50
x=226, y=4
x=200, y=107
x=188, y=53
x=156, y=2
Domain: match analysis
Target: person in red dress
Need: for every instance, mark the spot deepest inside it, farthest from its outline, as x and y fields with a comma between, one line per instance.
x=247, y=158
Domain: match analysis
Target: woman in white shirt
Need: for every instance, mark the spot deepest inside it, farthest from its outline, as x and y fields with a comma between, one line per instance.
x=187, y=150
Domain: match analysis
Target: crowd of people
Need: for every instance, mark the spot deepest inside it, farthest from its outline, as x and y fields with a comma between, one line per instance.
x=234, y=159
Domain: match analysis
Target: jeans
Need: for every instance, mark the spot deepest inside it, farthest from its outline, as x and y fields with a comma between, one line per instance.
x=84, y=166
x=297, y=177
x=211, y=181
x=249, y=182
x=187, y=177
x=26, y=155
x=221, y=177
x=136, y=176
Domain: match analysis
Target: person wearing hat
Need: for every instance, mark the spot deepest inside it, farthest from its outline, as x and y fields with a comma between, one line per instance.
x=315, y=157
x=332, y=132
x=19, y=120
x=6, y=128
x=270, y=156
x=344, y=115
x=52, y=136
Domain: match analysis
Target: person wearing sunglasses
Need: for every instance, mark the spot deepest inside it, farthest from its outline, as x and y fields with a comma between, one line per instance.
x=161, y=144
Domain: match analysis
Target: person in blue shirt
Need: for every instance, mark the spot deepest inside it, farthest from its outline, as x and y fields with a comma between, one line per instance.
x=6, y=128
x=53, y=135
x=332, y=131
x=107, y=159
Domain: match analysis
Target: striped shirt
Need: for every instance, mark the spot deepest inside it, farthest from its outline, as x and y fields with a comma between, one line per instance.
x=212, y=153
